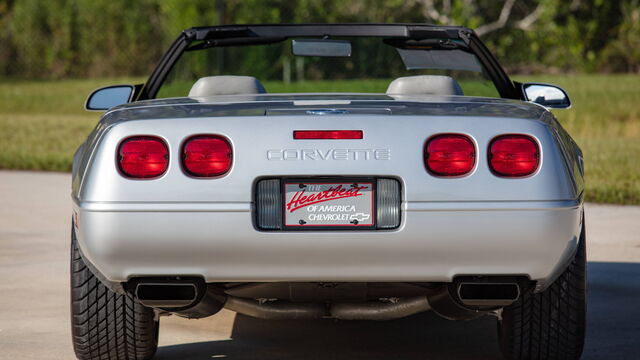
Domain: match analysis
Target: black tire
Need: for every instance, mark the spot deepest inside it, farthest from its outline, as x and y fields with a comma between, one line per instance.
x=550, y=324
x=106, y=325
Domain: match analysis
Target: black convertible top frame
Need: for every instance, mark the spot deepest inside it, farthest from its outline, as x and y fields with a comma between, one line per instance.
x=230, y=35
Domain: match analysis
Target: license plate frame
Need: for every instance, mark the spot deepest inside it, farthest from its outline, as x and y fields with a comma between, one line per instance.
x=326, y=183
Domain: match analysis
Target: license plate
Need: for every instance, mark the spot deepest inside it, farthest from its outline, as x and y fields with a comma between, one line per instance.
x=315, y=204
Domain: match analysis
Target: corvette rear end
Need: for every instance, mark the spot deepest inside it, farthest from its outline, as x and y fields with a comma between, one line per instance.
x=335, y=205
x=424, y=224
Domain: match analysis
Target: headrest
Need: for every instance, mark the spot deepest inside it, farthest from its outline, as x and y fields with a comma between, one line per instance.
x=226, y=85
x=425, y=84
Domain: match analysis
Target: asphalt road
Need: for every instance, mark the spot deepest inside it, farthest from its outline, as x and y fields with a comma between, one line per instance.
x=34, y=309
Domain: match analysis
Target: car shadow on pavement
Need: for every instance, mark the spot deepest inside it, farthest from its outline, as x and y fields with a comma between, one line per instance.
x=613, y=331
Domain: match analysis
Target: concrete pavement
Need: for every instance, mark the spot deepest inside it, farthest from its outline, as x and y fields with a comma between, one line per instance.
x=34, y=291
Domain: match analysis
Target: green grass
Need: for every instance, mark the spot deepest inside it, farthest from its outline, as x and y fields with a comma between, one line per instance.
x=605, y=121
x=42, y=123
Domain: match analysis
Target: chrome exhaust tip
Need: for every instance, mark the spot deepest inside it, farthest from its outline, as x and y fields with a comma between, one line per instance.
x=488, y=293
x=166, y=294
x=185, y=296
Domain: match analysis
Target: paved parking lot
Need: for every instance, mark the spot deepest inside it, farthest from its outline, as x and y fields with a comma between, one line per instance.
x=34, y=310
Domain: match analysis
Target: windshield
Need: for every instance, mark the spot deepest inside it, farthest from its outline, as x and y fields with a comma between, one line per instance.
x=356, y=65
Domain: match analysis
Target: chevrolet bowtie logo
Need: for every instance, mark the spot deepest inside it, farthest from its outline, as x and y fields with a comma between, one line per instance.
x=360, y=217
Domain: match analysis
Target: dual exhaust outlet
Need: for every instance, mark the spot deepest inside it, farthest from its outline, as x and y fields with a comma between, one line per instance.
x=457, y=300
x=487, y=294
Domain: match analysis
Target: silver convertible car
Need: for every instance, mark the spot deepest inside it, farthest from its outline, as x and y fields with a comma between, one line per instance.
x=455, y=190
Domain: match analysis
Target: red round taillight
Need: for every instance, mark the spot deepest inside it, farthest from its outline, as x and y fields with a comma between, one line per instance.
x=143, y=157
x=514, y=155
x=207, y=155
x=450, y=155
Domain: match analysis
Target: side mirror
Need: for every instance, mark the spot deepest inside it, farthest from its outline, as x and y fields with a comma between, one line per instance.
x=107, y=97
x=550, y=96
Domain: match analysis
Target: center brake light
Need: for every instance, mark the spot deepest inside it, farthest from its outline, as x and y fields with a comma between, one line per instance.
x=143, y=157
x=207, y=155
x=327, y=134
x=450, y=155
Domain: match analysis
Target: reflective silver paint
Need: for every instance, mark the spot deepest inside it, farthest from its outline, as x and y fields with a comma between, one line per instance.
x=475, y=224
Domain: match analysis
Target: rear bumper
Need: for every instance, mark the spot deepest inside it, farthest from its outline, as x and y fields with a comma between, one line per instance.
x=435, y=242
